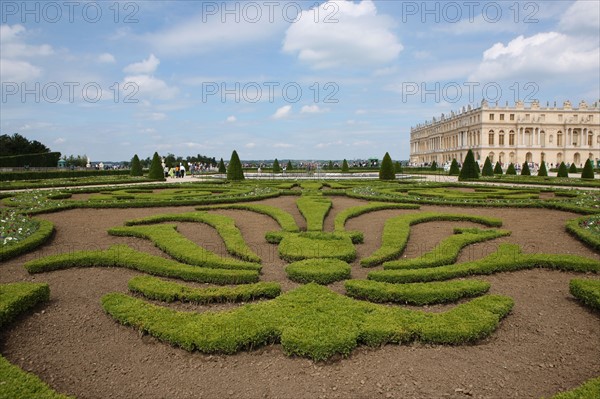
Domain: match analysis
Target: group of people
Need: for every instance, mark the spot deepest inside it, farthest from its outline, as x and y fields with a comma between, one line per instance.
x=175, y=172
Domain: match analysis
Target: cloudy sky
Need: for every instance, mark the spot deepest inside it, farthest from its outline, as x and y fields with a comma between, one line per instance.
x=279, y=79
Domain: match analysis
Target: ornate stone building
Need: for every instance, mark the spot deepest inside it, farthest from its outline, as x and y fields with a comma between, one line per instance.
x=511, y=134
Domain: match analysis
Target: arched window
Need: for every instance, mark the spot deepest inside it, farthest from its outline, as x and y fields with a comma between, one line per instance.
x=491, y=156
x=511, y=137
x=551, y=139
x=559, y=158
x=559, y=139
x=528, y=157
x=491, y=137
x=501, y=137
x=542, y=138
x=511, y=157
x=590, y=139
x=501, y=157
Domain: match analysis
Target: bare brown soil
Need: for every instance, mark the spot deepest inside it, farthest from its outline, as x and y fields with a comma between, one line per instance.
x=547, y=344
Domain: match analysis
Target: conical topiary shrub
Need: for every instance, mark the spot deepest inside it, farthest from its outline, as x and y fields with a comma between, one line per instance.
x=511, y=169
x=487, y=168
x=136, y=166
x=543, y=171
x=498, y=168
x=222, y=168
x=588, y=170
x=289, y=166
x=156, y=170
x=434, y=165
x=234, y=171
x=470, y=168
x=387, y=168
x=525, y=169
x=454, y=169
x=573, y=168
x=345, y=168
x=398, y=167
x=276, y=167
x=562, y=170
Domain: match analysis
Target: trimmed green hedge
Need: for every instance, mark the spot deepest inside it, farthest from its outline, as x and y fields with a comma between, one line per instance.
x=587, y=291
x=59, y=174
x=588, y=390
x=314, y=209
x=587, y=237
x=320, y=271
x=342, y=217
x=16, y=298
x=397, y=230
x=124, y=256
x=313, y=244
x=507, y=258
x=446, y=252
x=284, y=219
x=225, y=226
x=167, y=291
x=415, y=293
x=39, y=237
x=310, y=321
x=166, y=237
x=39, y=160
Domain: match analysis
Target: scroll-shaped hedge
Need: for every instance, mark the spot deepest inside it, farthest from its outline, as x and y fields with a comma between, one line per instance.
x=310, y=321
x=16, y=298
x=587, y=291
x=320, y=271
x=342, y=217
x=314, y=209
x=284, y=219
x=39, y=237
x=578, y=228
x=124, y=256
x=166, y=237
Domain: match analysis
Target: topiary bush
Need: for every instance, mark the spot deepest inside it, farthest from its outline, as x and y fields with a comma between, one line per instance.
x=235, y=171
x=276, y=167
x=562, y=170
x=345, y=168
x=222, y=168
x=434, y=165
x=470, y=168
x=573, y=168
x=156, y=170
x=454, y=169
x=511, y=170
x=387, y=168
x=525, y=169
x=487, y=168
x=136, y=166
x=588, y=170
x=289, y=166
x=543, y=171
x=398, y=167
x=498, y=169
x=320, y=271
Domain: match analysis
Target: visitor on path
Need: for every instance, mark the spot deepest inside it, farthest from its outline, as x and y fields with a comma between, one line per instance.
x=181, y=171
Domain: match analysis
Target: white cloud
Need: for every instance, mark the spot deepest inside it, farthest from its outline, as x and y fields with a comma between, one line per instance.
x=146, y=66
x=312, y=109
x=328, y=144
x=15, y=65
x=282, y=112
x=231, y=118
x=282, y=145
x=150, y=87
x=360, y=37
x=250, y=145
x=548, y=53
x=106, y=58
x=17, y=71
x=59, y=140
x=582, y=17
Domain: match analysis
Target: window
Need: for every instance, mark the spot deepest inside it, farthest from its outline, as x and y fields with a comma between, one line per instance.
x=527, y=117
x=501, y=117
x=542, y=117
x=512, y=117
x=559, y=139
x=591, y=139
x=491, y=117
x=511, y=138
x=491, y=139
x=501, y=138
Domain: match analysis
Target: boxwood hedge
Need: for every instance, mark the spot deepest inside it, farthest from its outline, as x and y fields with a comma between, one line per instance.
x=39, y=237
x=587, y=291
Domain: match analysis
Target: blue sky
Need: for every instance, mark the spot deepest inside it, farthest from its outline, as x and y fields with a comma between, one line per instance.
x=279, y=79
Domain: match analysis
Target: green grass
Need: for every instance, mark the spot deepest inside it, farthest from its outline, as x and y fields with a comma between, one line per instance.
x=586, y=229
x=126, y=257
x=320, y=271
x=309, y=245
x=310, y=321
x=415, y=293
x=507, y=258
x=284, y=219
x=166, y=237
x=397, y=230
x=40, y=236
x=587, y=291
x=314, y=209
x=446, y=252
x=342, y=217
x=167, y=291
x=225, y=226
x=588, y=390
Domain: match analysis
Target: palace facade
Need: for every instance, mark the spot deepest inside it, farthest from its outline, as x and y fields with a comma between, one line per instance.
x=511, y=135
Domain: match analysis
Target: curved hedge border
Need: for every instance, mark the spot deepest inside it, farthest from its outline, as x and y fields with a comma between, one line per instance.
x=16, y=298
x=124, y=256
x=588, y=390
x=284, y=219
x=446, y=252
x=39, y=237
x=314, y=209
x=166, y=237
x=342, y=217
x=167, y=291
x=507, y=258
x=397, y=230
x=310, y=321
x=587, y=291
x=225, y=226
x=320, y=271
x=590, y=239
x=313, y=244
x=415, y=293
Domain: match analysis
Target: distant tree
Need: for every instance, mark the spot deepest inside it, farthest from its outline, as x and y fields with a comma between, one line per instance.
x=235, y=171
x=289, y=166
x=330, y=165
x=77, y=161
x=573, y=168
x=470, y=168
x=543, y=171
x=19, y=145
x=345, y=168
x=156, y=170
x=525, y=169
x=487, y=168
x=588, y=170
x=562, y=170
x=276, y=167
x=222, y=168
x=136, y=166
x=454, y=169
x=498, y=168
x=397, y=167
x=386, y=172
x=434, y=165
x=511, y=169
